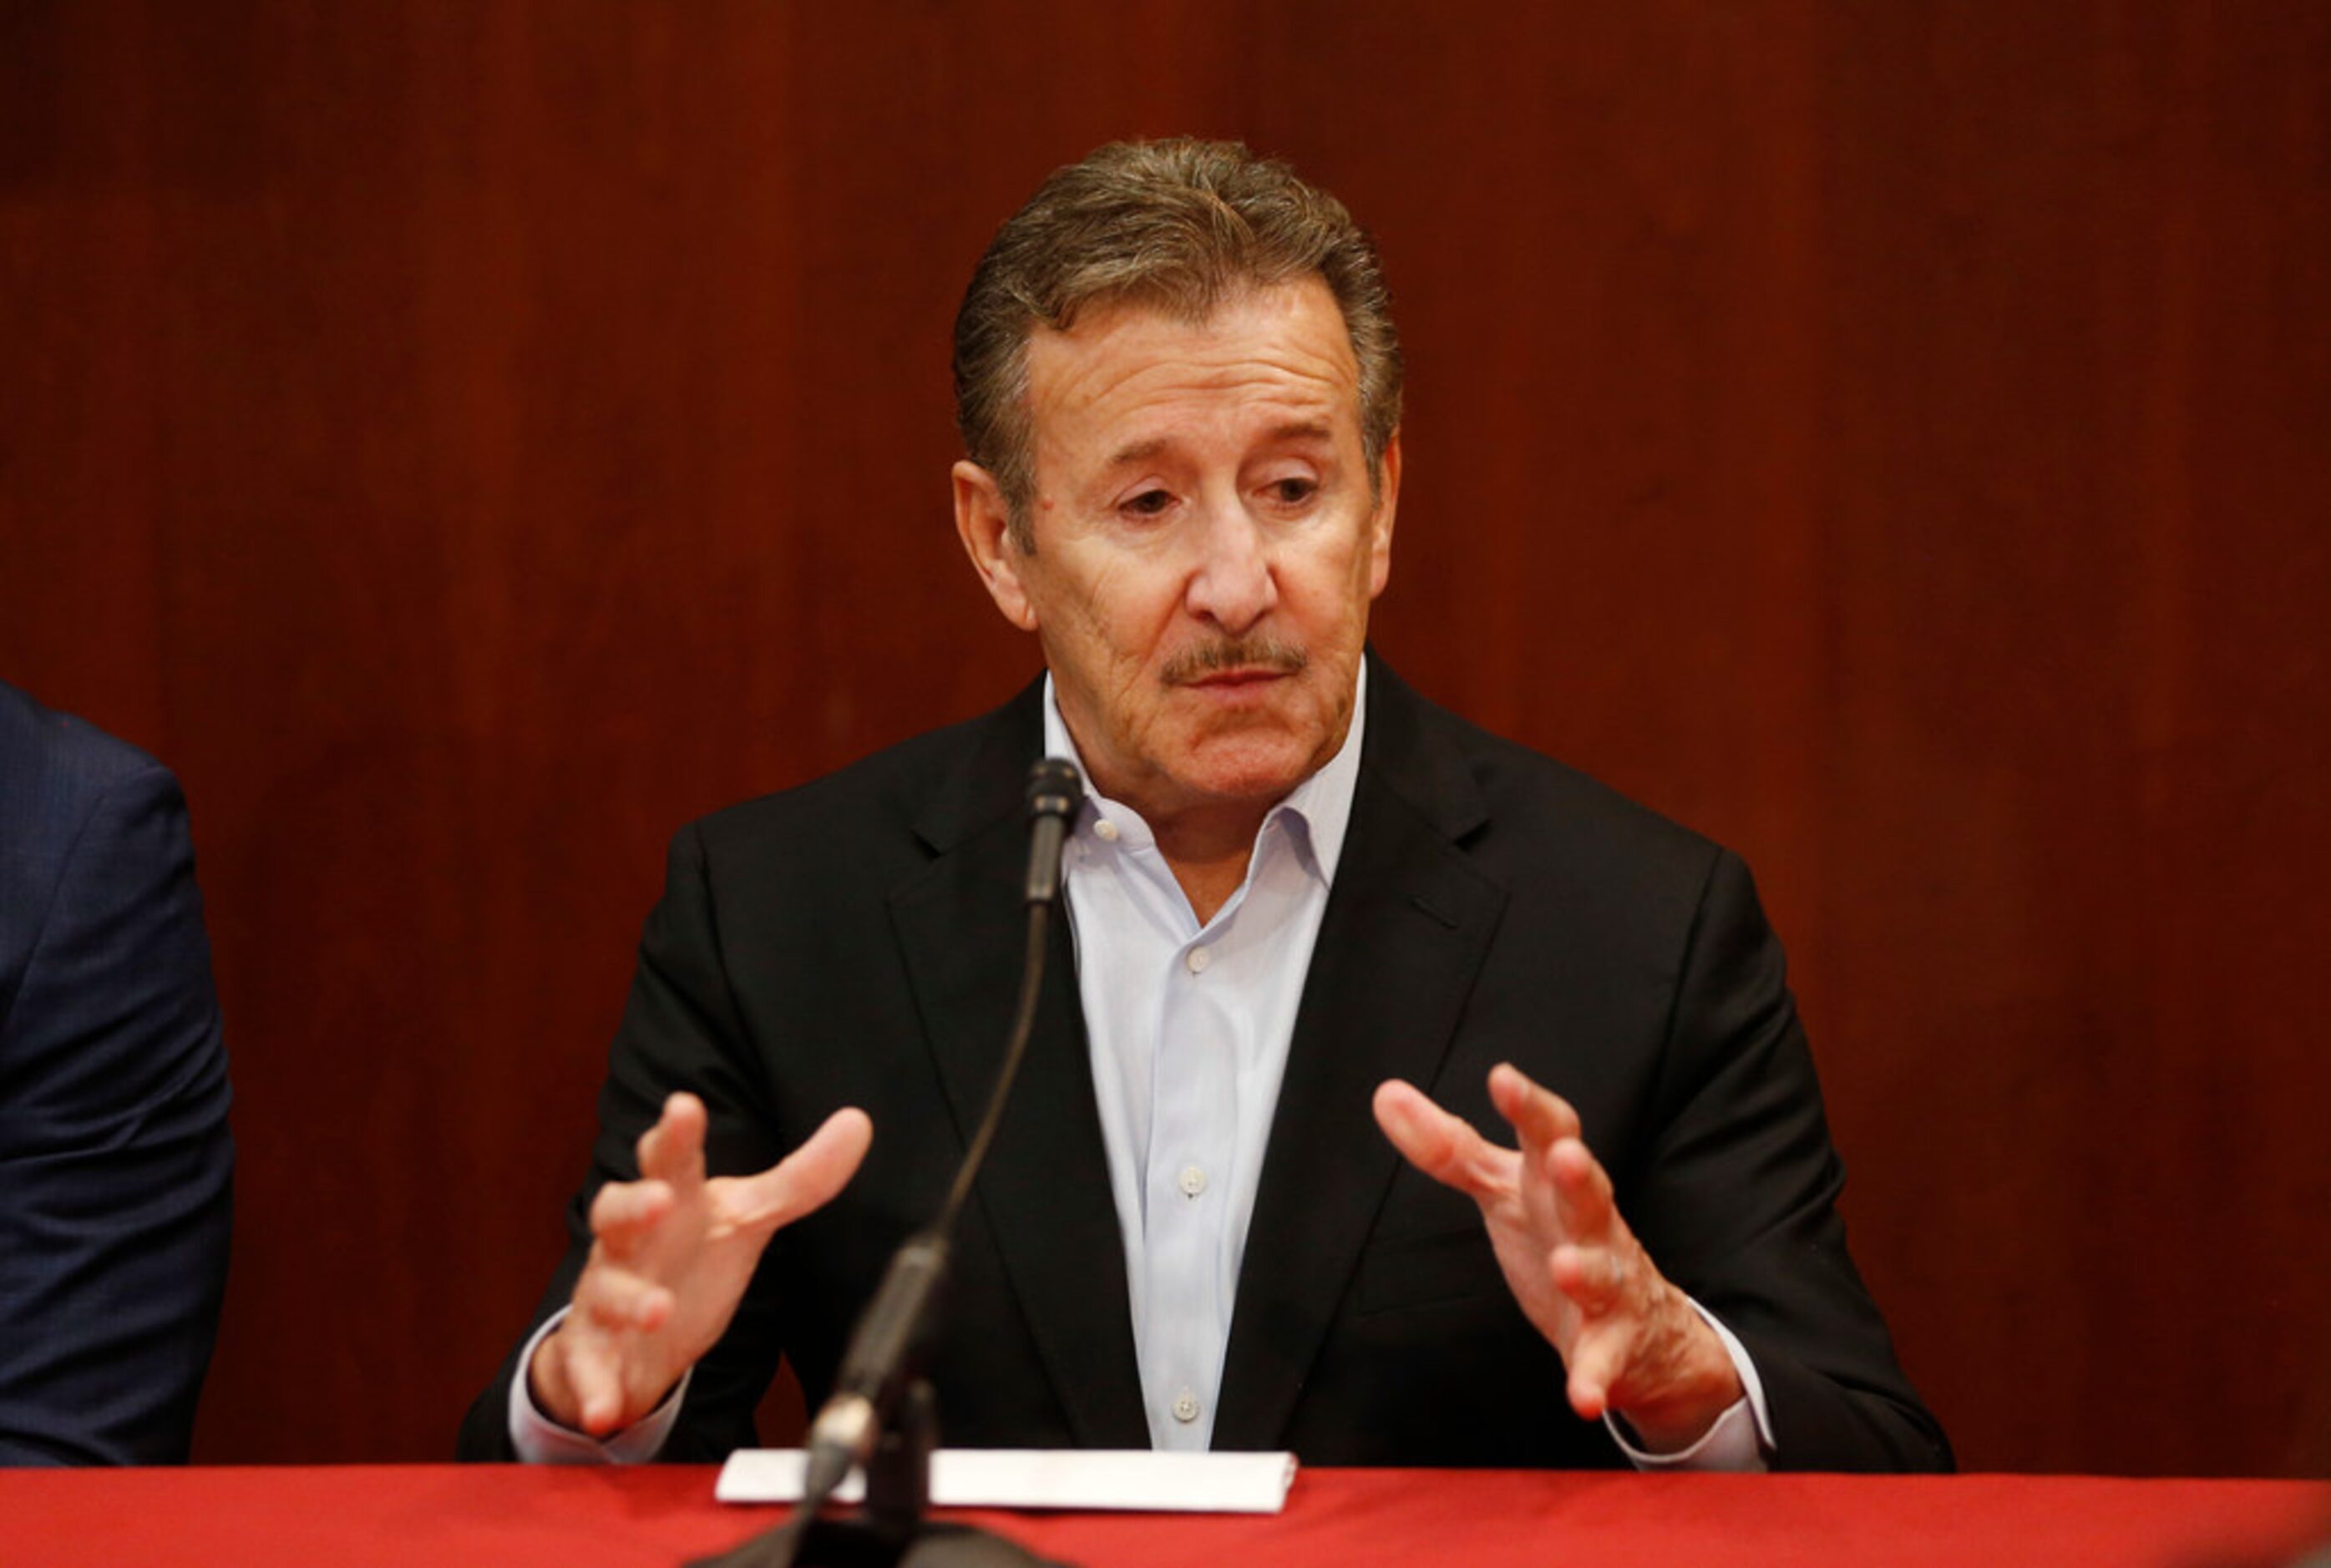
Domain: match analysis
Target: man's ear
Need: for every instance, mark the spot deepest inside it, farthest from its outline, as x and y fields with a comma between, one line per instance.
x=983, y=522
x=1387, y=504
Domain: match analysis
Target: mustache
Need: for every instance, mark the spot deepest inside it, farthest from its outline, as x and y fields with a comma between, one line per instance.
x=1236, y=653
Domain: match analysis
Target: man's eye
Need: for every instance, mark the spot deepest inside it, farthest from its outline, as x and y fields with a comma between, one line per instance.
x=1148, y=503
x=1292, y=492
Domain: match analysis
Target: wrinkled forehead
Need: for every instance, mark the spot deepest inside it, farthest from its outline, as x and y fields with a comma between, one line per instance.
x=1276, y=350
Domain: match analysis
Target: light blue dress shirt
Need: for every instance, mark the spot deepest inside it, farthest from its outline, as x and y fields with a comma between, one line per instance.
x=1189, y=1027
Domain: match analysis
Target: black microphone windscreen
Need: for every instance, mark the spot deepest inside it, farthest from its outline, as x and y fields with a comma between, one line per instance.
x=1053, y=786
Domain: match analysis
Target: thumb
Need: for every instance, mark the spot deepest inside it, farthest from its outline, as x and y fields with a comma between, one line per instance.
x=806, y=1180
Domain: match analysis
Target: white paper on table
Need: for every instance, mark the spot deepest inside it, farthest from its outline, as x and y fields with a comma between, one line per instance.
x=1130, y=1478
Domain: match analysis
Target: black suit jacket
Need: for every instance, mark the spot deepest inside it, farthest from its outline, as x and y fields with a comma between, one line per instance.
x=855, y=942
x=116, y=1165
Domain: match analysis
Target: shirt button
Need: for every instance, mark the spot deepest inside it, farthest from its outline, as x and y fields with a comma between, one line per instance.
x=1105, y=831
x=1194, y=1180
x=1198, y=959
x=1186, y=1407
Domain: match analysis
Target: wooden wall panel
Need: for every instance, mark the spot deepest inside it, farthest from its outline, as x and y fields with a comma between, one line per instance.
x=468, y=441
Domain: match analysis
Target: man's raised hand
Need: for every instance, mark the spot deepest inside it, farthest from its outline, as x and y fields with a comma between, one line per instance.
x=672, y=1255
x=1629, y=1340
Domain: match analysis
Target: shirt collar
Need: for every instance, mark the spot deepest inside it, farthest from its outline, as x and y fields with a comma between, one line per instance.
x=1321, y=802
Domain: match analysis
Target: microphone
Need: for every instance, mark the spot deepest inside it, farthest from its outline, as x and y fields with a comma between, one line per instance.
x=874, y=1369
x=1054, y=787
x=850, y=1423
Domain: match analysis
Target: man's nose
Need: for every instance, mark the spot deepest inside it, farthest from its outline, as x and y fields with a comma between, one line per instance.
x=1232, y=582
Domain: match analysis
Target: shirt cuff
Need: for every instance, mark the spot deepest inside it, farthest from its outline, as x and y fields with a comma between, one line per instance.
x=540, y=1441
x=1741, y=1437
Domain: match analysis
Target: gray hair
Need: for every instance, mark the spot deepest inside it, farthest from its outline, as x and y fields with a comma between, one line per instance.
x=1180, y=225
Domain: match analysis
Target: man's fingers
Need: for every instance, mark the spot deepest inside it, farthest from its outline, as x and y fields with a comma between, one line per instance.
x=1443, y=1147
x=1582, y=1190
x=1596, y=1362
x=673, y=1149
x=597, y=1386
x=1540, y=1116
x=625, y=1212
x=1595, y=1277
x=807, y=1179
x=615, y=1299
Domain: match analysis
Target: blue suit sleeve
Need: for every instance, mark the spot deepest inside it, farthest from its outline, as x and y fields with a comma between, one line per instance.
x=116, y=1162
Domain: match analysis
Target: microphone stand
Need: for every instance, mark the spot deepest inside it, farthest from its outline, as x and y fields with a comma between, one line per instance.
x=883, y=1414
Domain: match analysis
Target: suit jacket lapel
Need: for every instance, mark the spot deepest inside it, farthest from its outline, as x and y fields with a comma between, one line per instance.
x=1044, y=1191
x=1406, y=927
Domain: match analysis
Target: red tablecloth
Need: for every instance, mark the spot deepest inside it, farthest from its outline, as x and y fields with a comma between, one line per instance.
x=508, y=1515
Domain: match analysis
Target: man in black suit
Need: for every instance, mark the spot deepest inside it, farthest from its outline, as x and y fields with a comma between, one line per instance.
x=116, y=1164
x=1294, y=889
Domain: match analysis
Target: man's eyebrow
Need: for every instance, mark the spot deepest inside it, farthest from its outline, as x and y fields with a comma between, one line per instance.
x=1293, y=430
x=1140, y=452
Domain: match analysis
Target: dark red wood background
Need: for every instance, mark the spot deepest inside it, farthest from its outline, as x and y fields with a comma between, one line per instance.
x=467, y=439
